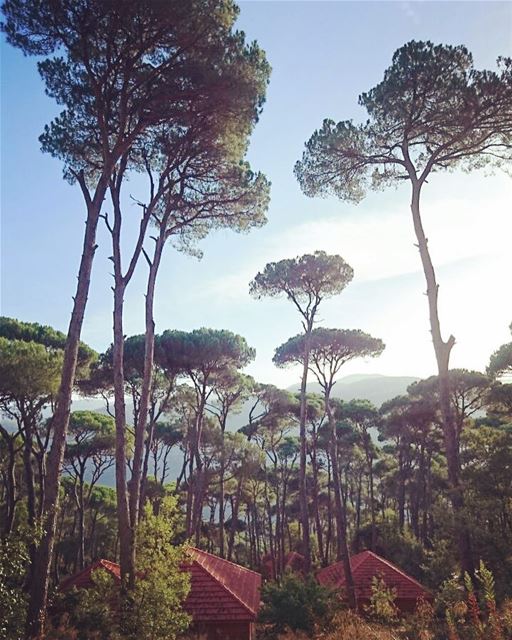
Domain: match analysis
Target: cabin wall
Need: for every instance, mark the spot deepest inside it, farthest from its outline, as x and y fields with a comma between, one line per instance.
x=222, y=631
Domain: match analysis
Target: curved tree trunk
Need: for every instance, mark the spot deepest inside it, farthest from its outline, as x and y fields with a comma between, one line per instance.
x=36, y=612
x=442, y=351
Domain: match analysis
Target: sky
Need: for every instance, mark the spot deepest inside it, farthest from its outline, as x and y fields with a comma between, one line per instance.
x=323, y=55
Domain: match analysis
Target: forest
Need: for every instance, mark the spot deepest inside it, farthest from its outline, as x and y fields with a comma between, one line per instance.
x=162, y=442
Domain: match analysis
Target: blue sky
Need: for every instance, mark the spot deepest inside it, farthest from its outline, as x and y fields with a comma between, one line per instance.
x=323, y=54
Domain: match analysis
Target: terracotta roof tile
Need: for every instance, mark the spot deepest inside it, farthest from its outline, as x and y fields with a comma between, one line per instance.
x=365, y=566
x=234, y=591
x=84, y=577
x=220, y=591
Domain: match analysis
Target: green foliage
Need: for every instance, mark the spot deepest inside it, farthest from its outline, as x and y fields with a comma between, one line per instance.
x=305, y=279
x=469, y=617
x=50, y=338
x=91, y=434
x=298, y=604
x=28, y=370
x=382, y=601
x=432, y=111
x=501, y=360
x=155, y=611
x=90, y=613
x=14, y=562
x=328, y=348
x=203, y=350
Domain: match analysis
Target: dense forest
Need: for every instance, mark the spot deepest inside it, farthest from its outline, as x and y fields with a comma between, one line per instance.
x=181, y=447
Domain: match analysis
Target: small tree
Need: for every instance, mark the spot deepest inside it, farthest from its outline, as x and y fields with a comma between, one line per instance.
x=156, y=612
x=305, y=281
x=433, y=111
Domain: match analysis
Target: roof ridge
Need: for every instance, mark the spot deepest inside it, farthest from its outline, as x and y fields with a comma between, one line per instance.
x=234, y=564
x=225, y=587
x=397, y=569
x=88, y=570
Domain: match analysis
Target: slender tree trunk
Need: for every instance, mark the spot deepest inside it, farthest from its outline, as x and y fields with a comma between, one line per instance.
x=36, y=612
x=10, y=482
x=328, y=535
x=401, y=492
x=303, y=489
x=145, y=466
x=29, y=470
x=316, y=505
x=126, y=537
x=369, y=462
x=221, y=493
x=81, y=520
x=234, y=518
x=341, y=519
x=41, y=463
x=147, y=383
x=442, y=350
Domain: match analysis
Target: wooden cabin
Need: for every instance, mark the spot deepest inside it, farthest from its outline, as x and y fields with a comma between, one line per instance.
x=223, y=601
x=365, y=566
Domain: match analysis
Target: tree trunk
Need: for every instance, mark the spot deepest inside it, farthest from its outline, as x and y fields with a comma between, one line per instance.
x=341, y=519
x=125, y=526
x=369, y=462
x=303, y=490
x=138, y=481
x=221, y=492
x=234, y=518
x=36, y=612
x=442, y=351
x=10, y=482
x=81, y=521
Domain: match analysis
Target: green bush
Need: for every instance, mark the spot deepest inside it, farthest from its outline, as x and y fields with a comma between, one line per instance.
x=298, y=604
x=14, y=559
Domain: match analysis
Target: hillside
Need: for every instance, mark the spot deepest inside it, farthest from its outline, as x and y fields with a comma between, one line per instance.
x=376, y=388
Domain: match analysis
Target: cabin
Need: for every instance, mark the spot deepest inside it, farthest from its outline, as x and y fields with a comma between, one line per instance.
x=365, y=566
x=224, y=597
x=223, y=601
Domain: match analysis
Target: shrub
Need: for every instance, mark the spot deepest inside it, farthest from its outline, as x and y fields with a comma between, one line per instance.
x=297, y=604
x=382, y=606
x=14, y=559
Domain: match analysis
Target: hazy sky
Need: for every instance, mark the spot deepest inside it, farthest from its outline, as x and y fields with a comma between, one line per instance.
x=323, y=56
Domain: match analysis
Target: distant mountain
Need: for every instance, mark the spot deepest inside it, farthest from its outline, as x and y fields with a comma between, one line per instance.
x=374, y=387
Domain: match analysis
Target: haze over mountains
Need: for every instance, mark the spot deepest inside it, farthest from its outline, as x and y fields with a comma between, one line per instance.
x=374, y=387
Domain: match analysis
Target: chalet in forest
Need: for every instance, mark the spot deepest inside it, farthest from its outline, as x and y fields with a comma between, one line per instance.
x=365, y=566
x=223, y=601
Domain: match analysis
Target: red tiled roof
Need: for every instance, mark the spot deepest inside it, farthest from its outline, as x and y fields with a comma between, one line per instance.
x=84, y=579
x=365, y=566
x=220, y=590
